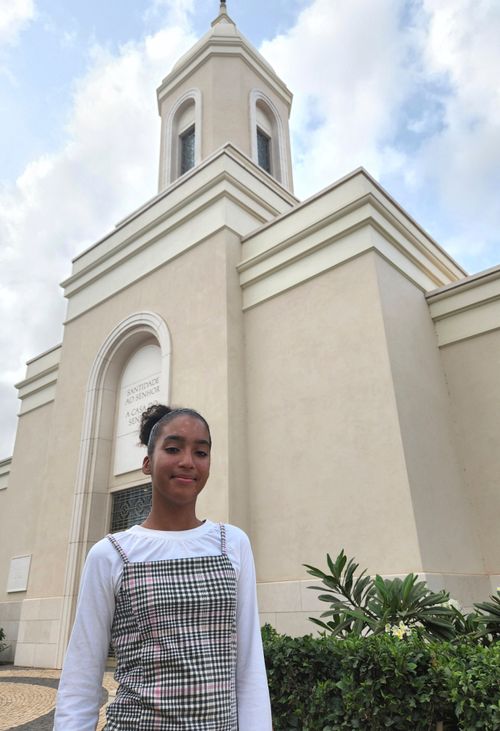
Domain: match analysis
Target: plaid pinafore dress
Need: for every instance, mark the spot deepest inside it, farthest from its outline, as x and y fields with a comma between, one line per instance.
x=174, y=636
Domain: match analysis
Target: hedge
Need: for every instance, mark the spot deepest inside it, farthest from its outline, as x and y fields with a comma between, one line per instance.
x=381, y=682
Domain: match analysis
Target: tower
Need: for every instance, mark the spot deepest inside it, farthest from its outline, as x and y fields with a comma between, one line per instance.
x=222, y=90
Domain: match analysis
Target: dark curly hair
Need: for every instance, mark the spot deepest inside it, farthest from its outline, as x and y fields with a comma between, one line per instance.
x=158, y=414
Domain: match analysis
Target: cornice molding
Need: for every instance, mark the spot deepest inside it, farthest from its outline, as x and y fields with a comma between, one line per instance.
x=38, y=388
x=468, y=287
x=342, y=193
x=5, y=465
x=468, y=308
x=351, y=217
x=265, y=190
x=51, y=353
x=227, y=190
x=46, y=375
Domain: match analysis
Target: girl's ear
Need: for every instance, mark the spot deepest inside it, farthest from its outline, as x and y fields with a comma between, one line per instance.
x=146, y=465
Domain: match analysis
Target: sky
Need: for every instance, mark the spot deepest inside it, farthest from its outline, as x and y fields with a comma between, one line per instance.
x=409, y=89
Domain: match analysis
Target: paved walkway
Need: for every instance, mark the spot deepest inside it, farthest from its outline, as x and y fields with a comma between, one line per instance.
x=28, y=696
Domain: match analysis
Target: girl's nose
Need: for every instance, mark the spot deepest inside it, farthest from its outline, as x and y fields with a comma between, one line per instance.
x=186, y=458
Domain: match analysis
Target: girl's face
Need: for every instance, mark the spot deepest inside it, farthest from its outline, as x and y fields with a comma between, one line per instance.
x=180, y=463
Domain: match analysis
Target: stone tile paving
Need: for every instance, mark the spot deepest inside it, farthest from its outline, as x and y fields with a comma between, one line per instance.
x=28, y=695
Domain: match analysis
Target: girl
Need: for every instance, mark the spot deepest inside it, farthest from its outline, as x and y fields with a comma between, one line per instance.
x=176, y=597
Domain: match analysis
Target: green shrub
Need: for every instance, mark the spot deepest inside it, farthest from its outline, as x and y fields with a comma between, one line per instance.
x=472, y=675
x=381, y=682
x=294, y=666
x=385, y=683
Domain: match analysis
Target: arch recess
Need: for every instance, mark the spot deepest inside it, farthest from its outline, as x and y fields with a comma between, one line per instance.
x=180, y=118
x=92, y=478
x=278, y=143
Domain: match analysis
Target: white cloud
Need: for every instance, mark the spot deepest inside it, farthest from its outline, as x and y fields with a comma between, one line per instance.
x=347, y=64
x=106, y=166
x=462, y=160
x=172, y=12
x=411, y=91
x=14, y=15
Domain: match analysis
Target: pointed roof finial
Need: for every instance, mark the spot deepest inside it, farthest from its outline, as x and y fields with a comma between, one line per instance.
x=223, y=16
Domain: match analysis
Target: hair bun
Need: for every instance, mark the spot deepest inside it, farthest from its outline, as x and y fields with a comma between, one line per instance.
x=149, y=418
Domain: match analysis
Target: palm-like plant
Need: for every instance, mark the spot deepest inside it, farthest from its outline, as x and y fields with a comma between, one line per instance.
x=487, y=619
x=360, y=605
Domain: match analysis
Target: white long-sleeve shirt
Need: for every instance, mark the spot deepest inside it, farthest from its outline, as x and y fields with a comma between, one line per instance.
x=79, y=692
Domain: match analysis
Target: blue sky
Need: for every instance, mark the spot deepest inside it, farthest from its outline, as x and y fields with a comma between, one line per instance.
x=53, y=49
x=410, y=89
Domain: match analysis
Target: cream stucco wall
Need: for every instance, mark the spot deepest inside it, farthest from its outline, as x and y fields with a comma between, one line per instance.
x=472, y=370
x=351, y=440
x=21, y=506
x=23, y=500
x=327, y=466
x=436, y=477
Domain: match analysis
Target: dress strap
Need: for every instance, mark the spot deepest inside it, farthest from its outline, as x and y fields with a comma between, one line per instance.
x=223, y=544
x=116, y=545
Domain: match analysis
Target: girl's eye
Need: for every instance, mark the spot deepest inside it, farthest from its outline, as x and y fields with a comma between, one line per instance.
x=200, y=453
x=171, y=450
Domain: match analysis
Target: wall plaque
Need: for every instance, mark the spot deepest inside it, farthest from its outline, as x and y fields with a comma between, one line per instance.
x=19, y=573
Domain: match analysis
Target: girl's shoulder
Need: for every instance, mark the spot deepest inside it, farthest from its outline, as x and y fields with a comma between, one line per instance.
x=236, y=534
x=104, y=549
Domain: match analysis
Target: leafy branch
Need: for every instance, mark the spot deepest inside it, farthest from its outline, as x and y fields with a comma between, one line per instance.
x=360, y=605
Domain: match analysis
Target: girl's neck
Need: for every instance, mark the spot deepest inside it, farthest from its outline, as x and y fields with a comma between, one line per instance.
x=171, y=522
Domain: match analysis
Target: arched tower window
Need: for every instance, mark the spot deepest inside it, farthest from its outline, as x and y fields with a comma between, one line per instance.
x=183, y=137
x=264, y=150
x=268, y=144
x=266, y=130
x=187, y=147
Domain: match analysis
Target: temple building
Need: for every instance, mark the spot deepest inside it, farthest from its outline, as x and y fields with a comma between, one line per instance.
x=347, y=365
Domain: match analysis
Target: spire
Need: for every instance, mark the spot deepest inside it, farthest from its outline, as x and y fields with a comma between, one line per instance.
x=223, y=14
